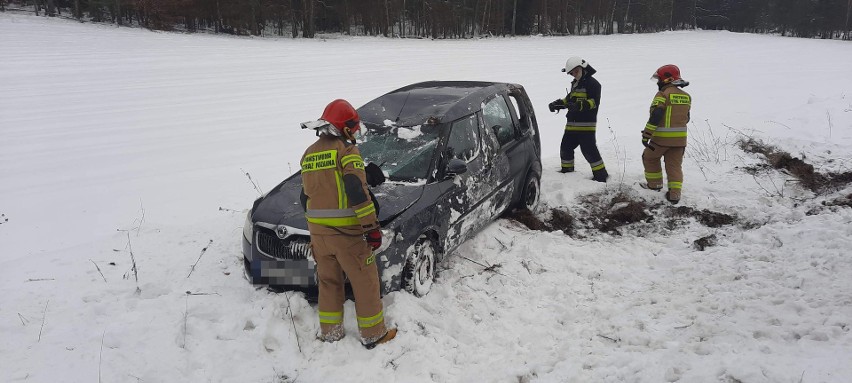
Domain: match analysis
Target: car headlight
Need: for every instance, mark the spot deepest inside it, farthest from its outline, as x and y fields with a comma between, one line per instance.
x=388, y=237
x=248, y=228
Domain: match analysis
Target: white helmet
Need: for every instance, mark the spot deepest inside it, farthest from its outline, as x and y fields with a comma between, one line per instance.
x=574, y=62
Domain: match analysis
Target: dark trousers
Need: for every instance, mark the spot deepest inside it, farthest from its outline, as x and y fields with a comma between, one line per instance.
x=588, y=145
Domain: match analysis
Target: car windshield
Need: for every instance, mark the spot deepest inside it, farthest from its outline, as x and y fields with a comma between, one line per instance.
x=403, y=152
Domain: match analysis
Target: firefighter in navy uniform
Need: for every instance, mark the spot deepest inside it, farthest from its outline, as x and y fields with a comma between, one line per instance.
x=664, y=135
x=582, y=103
x=344, y=227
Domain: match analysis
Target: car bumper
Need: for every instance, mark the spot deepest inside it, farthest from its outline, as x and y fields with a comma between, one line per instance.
x=262, y=269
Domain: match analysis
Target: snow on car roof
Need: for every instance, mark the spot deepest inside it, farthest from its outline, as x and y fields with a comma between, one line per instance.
x=430, y=102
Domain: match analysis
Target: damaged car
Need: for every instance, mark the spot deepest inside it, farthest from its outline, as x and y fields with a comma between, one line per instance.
x=455, y=155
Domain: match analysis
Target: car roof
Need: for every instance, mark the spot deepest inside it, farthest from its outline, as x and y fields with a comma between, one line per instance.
x=430, y=102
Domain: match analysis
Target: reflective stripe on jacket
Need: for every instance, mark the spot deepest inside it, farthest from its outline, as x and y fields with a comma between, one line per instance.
x=334, y=182
x=669, y=116
x=585, y=92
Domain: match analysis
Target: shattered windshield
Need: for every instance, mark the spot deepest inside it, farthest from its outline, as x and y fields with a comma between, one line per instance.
x=403, y=152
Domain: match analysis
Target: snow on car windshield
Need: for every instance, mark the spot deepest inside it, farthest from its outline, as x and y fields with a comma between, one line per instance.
x=404, y=153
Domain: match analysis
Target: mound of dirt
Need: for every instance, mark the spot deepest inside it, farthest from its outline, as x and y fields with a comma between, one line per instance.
x=609, y=213
x=528, y=219
x=561, y=220
x=804, y=172
x=706, y=217
x=704, y=242
x=624, y=213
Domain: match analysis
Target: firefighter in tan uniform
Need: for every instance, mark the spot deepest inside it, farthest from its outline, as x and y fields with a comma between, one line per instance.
x=664, y=135
x=343, y=225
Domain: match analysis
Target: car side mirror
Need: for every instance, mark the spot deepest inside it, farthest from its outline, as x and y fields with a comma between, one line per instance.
x=496, y=130
x=456, y=167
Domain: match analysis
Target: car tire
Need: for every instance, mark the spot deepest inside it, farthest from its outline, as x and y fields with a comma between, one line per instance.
x=531, y=196
x=418, y=274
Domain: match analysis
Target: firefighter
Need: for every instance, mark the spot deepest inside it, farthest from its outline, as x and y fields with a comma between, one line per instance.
x=664, y=135
x=343, y=224
x=582, y=103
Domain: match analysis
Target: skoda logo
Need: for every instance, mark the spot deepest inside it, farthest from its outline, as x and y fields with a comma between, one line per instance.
x=281, y=231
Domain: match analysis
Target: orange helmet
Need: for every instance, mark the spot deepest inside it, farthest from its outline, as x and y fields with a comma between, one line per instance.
x=667, y=73
x=342, y=115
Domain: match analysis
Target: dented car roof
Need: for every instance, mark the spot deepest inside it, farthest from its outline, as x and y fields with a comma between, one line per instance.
x=430, y=102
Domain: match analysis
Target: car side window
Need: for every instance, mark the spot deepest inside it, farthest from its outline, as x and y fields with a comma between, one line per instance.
x=498, y=118
x=524, y=119
x=464, y=138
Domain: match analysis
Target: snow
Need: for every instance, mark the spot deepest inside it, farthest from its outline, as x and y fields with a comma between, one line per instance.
x=112, y=137
x=409, y=134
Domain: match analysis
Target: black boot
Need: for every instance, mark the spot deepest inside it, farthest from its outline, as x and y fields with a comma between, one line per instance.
x=600, y=175
x=673, y=201
x=566, y=170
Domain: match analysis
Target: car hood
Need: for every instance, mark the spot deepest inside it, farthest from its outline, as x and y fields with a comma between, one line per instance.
x=281, y=205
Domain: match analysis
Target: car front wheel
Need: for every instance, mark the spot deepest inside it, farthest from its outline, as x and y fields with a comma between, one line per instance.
x=419, y=272
x=532, y=193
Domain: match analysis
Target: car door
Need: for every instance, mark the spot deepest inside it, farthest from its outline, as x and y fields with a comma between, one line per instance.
x=501, y=121
x=463, y=193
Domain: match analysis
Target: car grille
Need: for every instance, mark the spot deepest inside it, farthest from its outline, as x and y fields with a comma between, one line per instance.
x=294, y=247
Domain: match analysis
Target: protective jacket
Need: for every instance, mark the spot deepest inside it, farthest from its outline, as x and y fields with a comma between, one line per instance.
x=335, y=194
x=669, y=116
x=585, y=95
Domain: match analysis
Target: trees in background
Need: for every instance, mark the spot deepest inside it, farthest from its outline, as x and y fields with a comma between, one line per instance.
x=460, y=18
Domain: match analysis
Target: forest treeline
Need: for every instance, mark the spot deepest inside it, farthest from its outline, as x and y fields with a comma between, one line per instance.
x=457, y=18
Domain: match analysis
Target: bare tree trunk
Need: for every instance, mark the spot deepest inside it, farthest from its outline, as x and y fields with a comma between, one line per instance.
x=308, y=19
x=118, y=18
x=848, y=9
x=253, y=21
x=485, y=19
x=598, y=18
x=347, y=18
x=293, y=20
x=78, y=13
x=402, y=20
x=610, y=26
x=694, y=17
x=514, y=16
x=218, y=24
x=387, y=20
x=671, y=17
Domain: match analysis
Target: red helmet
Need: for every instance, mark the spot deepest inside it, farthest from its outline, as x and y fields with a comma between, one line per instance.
x=341, y=114
x=667, y=73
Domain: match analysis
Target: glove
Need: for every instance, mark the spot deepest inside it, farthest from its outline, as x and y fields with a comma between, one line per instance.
x=375, y=176
x=646, y=139
x=574, y=106
x=646, y=136
x=556, y=105
x=374, y=238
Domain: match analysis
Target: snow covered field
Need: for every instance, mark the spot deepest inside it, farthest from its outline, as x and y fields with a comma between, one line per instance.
x=110, y=136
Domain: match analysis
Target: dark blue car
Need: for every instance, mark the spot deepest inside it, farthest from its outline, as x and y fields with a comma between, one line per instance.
x=456, y=155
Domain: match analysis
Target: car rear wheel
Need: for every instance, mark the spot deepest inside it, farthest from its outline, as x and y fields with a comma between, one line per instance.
x=419, y=272
x=531, y=196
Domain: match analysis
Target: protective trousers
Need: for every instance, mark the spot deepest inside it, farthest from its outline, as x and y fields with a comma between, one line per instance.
x=588, y=145
x=338, y=254
x=673, y=157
